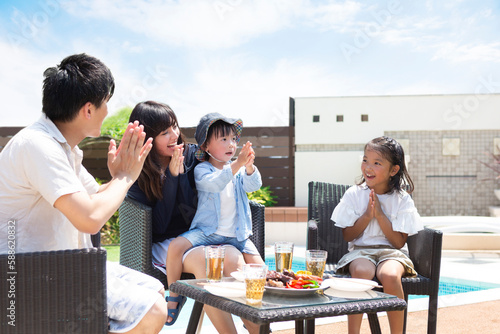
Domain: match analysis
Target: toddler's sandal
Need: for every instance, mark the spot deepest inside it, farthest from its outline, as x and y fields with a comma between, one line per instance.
x=174, y=313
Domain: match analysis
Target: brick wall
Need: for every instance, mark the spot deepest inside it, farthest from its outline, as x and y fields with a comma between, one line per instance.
x=286, y=214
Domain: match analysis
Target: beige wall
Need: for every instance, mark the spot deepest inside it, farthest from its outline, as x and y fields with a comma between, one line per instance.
x=337, y=167
x=452, y=184
x=391, y=113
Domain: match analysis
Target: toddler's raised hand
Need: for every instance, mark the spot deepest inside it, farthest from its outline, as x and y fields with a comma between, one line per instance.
x=249, y=165
x=244, y=154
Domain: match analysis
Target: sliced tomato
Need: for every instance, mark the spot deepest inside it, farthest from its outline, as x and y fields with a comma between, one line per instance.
x=296, y=284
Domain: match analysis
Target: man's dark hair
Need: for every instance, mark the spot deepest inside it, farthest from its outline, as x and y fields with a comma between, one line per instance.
x=78, y=79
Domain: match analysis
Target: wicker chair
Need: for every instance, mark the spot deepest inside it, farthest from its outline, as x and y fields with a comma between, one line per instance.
x=54, y=292
x=424, y=247
x=136, y=237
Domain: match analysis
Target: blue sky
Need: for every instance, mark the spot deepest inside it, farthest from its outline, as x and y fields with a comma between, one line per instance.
x=246, y=58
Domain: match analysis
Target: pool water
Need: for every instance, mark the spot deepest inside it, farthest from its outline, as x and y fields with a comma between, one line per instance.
x=447, y=286
x=451, y=286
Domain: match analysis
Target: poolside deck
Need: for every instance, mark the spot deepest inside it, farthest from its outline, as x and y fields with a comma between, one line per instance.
x=465, y=319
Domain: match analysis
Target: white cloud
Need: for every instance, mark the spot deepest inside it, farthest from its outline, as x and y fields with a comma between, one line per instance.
x=458, y=37
x=193, y=23
x=468, y=53
x=153, y=83
x=333, y=16
x=219, y=23
x=260, y=96
x=21, y=84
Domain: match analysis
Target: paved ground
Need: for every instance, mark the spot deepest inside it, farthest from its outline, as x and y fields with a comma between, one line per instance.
x=467, y=319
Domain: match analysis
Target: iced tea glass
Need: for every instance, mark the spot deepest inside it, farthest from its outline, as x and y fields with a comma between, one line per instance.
x=255, y=281
x=214, y=262
x=283, y=254
x=316, y=261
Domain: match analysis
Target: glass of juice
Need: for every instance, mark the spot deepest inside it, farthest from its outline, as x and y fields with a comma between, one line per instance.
x=316, y=261
x=214, y=262
x=255, y=281
x=283, y=253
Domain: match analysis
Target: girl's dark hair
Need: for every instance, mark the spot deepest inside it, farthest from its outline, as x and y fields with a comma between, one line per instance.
x=391, y=150
x=155, y=117
x=216, y=130
x=78, y=79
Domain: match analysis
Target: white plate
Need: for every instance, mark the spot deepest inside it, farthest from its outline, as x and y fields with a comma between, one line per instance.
x=238, y=275
x=350, y=294
x=292, y=292
x=349, y=284
x=226, y=289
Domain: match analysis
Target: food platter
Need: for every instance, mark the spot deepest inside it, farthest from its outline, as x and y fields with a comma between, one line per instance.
x=292, y=292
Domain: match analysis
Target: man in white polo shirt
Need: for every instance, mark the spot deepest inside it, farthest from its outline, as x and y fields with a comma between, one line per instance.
x=57, y=204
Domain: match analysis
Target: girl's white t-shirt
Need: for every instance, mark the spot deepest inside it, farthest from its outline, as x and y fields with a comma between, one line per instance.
x=227, y=212
x=397, y=206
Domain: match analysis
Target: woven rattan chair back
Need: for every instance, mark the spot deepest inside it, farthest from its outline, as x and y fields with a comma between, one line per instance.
x=54, y=292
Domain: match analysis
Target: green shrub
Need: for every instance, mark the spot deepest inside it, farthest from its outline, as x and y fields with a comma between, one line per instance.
x=110, y=232
x=116, y=124
x=263, y=196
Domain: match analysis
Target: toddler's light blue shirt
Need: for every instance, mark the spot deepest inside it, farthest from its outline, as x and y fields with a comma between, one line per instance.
x=210, y=181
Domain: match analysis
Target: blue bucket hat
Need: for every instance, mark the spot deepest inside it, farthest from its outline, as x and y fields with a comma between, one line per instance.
x=202, y=130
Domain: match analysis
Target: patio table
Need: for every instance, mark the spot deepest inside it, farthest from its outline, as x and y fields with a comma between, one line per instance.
x=274, y=308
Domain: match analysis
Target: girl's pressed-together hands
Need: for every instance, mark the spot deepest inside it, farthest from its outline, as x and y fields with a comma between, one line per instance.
x=373, y=209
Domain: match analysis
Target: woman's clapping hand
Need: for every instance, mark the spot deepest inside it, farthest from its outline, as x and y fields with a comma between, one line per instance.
x=176, y=165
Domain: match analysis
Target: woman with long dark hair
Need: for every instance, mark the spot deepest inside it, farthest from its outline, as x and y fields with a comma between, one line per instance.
x=166, y=183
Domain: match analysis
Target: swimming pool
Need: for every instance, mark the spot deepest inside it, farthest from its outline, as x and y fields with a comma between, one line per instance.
x=447, y=285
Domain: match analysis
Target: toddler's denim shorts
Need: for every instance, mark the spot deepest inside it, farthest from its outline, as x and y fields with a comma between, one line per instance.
x=198, y=238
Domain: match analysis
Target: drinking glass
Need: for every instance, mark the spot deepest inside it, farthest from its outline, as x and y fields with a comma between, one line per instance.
x=316, y=261
x=214, y=262
x=283, y=253
x=255, y=281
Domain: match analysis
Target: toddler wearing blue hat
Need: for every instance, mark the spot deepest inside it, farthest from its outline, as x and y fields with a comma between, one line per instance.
x=223, y=213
